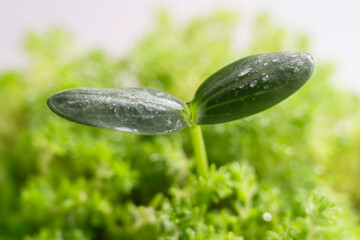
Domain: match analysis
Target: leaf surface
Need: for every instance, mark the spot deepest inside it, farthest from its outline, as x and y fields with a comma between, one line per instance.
x=250, y=85
x=136, y=110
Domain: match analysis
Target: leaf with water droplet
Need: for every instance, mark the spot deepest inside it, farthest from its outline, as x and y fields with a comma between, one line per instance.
x=136, y=110
x=280, y=74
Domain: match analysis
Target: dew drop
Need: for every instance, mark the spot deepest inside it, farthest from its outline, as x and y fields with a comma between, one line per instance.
x=178, y=124
x=311, y=59
x=244, y=71
x=265, y=78
x=266, y=86
x=169, y=121
x=265, y=64
x=253, y=83
x=124, y=129
x=275, y=60
x=296, y=69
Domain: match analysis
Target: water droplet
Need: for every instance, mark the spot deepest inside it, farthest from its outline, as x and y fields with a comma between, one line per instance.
x=169, y=121
x=266, y=86
x=265, y=78
x=178, y=124
x=265, y=64
x=124, y=129
x=311, y=59
x=275, y=60
x=267, y=216
x=244, y=71
x=300, y=63
x=241, y=86
x=296, y=69
x=253, y=83
x=141, y=108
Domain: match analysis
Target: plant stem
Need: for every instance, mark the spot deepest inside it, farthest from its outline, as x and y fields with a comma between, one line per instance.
x=199, y=150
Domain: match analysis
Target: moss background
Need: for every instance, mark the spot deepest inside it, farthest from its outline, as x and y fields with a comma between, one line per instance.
x=291, y=172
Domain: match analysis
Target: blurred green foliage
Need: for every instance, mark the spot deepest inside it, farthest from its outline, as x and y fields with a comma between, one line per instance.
x=291, y=172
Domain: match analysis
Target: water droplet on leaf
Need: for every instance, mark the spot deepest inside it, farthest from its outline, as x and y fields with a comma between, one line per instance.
x=253, y=83
x=244, y=71
x=265, y=78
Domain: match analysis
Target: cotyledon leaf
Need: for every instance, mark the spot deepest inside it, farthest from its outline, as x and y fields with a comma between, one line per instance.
x=250, y=85
x=136, y=110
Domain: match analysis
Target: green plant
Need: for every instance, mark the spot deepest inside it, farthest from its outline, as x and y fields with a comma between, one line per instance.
x=290, y=172
x=242, y=88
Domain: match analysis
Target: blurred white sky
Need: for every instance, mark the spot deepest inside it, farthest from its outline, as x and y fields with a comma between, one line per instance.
x=115, y=25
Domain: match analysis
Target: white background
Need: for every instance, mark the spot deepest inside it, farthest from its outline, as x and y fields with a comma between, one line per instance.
x=115, y=25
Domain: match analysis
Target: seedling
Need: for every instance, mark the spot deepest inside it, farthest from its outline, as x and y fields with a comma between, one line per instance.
x=240, y=89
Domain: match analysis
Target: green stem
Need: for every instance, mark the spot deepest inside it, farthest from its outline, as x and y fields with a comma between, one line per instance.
x=199, y=150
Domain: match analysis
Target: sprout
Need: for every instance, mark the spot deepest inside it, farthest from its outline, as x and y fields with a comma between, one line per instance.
x=242, y=88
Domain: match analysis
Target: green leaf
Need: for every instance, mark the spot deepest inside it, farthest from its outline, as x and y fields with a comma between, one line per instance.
x=136, y=110
x=250, y=85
